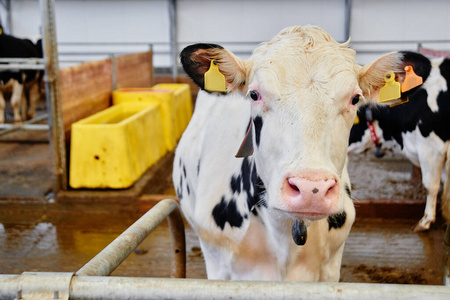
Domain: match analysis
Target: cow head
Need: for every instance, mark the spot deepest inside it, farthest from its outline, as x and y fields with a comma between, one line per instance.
x=303, y=88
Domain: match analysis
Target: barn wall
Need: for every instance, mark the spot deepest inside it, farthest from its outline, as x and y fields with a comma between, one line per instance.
x=232, y=21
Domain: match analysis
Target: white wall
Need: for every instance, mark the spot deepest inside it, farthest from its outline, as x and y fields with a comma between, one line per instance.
x=253, y=21
x=399, y=21
x=237, y=24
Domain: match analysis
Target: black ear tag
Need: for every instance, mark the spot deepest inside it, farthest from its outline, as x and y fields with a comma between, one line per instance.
x=299, y=232
x=246, y=148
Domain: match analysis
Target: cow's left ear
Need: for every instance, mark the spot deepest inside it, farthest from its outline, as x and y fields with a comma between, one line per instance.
x=372, y=76
x=196, y=61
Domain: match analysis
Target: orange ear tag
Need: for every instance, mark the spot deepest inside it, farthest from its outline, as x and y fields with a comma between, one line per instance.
x=214, y=80
x=411, y=79
x=400, y=101
x=356, y=122
x=391, y=90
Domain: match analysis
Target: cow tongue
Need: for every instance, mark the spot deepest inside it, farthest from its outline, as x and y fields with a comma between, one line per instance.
x=299, y=232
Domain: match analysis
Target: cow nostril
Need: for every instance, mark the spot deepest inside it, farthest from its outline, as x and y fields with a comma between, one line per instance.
x=294, y=187
x=331, y=188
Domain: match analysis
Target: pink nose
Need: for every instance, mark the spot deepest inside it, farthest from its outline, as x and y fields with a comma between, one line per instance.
x=312, y=193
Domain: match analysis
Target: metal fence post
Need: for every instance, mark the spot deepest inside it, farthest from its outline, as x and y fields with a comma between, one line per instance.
x=53, y=95
x=173, y=38
x=446, y=259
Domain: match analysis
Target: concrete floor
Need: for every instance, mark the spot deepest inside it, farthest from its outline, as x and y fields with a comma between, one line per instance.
x=38, y=235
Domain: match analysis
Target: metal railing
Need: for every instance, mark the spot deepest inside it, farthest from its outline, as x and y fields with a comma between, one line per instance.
x=90, y=281
x=59, y=285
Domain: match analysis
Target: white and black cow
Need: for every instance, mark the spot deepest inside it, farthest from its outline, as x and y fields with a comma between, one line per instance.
x=22, y=84
x=421, y=129
x=297, y=95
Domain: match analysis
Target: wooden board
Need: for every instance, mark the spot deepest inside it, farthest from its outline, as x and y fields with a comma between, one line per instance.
x=134, y=70
x=85, y=90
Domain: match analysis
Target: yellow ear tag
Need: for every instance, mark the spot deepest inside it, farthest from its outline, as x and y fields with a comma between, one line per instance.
x=214, y=80
x=411, y=79
x=356, y=122
x=391, y=90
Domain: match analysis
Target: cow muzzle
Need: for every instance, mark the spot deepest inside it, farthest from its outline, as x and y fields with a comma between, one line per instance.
x=312, y=194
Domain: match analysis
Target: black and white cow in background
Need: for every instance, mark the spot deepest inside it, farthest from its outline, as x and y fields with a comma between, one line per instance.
x=421, y=129
x=298, y=95
x=21, y=84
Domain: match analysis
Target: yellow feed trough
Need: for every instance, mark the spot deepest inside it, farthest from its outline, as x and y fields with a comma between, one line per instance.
x=113, y=148
x=176, y=106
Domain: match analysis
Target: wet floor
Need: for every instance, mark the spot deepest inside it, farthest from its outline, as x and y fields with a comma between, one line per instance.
x=46, y=238
x=61, y=237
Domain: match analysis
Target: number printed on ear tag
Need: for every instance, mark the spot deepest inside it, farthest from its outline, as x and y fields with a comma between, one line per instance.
x=391, y=90
x=214, y=80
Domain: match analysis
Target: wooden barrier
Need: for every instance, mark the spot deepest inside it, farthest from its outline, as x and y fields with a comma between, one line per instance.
x=134, y=70
x=86, y=89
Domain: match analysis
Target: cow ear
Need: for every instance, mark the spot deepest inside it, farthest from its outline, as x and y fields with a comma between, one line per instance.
x=372, y=76
x=196, y=61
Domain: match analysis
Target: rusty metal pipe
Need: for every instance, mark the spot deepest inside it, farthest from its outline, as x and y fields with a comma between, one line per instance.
x=446, y=258
x=115, y=253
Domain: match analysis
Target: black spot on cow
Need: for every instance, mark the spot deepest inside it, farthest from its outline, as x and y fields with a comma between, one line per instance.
x=180, y=189
x=227, y=212
x=184, y=170
x=188, y=189
x=236, y=184
x=258, y=127
x=248, y=182
x=348, y=190
x=253, y=186
x=179, y=193
x=337, y=221
x=315, y=190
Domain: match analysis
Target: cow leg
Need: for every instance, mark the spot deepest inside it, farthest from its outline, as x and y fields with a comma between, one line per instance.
x=2, y=108
x=34, y=96
x=216, y=263
x=16, y=98
x=431, y=159
x=23, y=105
x=331, y=271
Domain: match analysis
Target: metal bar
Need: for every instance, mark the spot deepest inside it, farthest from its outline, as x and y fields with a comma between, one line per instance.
x=13, y=127
x=178, y=239
x=446, y=259
x=25, y=126
x=8, y=16
x=113, y=71
x=21, y=67
x=348, y=18
x=23, y=60
x=110, y=43
x=94, y=287
x=173, y=38
x=53, y=95
x=115, y=253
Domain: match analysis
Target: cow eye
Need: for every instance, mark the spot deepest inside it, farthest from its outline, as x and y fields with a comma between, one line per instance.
x=356, y=99
x=254, y=95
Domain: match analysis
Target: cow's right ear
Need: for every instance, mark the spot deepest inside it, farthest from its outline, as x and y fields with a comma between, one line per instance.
x=372, y=76
x=196, y=61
